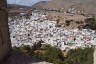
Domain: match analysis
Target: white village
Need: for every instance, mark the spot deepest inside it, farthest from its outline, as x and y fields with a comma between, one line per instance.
x=29, y=31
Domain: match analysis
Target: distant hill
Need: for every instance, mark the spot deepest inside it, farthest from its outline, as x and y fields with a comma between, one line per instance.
x=40, y=4
x=88, y=5
x=16, y=9
x=14, y=6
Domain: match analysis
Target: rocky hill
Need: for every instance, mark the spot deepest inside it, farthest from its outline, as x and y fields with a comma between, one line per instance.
x=40, y=4
x=14, y=9
x=11, y=6
x=86, y=5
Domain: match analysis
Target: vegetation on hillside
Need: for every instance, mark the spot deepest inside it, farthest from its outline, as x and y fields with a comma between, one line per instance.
x=56, y=56
x=91, y=23
x=80, y=56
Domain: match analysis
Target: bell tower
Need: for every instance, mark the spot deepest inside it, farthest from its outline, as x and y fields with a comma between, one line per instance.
x=5, y=43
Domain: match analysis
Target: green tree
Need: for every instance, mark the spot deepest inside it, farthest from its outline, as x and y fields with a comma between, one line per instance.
x=92, y=23
x=37, y=45
x=53, y=54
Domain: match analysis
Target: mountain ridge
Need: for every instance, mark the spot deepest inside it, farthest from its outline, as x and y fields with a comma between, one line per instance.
x=87, y=5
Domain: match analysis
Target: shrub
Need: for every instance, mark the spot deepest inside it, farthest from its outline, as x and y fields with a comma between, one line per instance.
x=54, y=55
x=92, y=23
x=80, y=56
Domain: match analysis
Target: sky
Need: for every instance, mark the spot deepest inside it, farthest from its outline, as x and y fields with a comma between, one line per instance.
x=24, y=2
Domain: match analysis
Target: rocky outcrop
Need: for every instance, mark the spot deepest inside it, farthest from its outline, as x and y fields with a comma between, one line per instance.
x=18, y=57
x=4, y=30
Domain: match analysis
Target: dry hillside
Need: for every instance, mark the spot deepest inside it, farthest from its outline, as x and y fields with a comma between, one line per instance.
x=86, y=5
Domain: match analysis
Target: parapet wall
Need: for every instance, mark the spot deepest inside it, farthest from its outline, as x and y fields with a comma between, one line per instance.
x=4, y=30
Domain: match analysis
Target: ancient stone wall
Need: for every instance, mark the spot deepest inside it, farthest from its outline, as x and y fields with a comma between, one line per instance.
x=94, y=55
x=4, y=33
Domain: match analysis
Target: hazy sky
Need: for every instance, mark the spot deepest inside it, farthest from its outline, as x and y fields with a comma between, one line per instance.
x=24, y=2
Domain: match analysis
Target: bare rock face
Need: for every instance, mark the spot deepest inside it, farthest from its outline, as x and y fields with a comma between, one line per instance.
x=4, y=30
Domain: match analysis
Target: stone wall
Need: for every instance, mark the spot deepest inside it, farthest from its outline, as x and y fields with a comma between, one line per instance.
x=94, y=55
x=4, y=30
